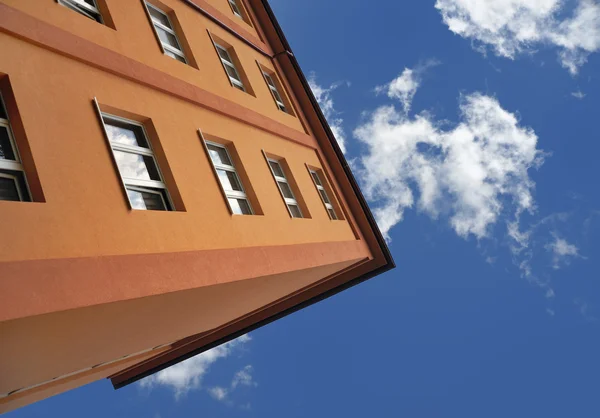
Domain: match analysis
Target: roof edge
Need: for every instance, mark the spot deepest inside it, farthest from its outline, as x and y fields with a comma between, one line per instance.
x=389, y=261
x=340, y=155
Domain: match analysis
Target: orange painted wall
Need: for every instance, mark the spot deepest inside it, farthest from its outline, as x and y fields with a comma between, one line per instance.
x=134, y=37
x=85, y=212
x=63, y=342
x=225, y=9
x=62, y=320
x=56, y=387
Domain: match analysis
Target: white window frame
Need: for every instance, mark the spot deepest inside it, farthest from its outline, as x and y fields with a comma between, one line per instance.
x=236, y=9
x=229, y=194
x=84, y=9
x=156, y=24
x=320, y=188
x=288, y=201
x=150, y=191
x=274, y=91
x=229, y=63
x=13, y=166
x=140, y=185
x=15, y=180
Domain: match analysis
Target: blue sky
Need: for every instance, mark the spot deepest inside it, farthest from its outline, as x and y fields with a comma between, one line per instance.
x=473, y=131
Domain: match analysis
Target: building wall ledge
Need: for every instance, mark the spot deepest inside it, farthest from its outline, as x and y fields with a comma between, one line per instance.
x=37, y=287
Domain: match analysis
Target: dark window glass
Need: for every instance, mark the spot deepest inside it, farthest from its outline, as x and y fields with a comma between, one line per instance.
x=9, y=189
x=295, y=211
x=224, y=54
x=285, y=190
x=276, y=168
x=277, y=96
x=316, y=178
x=269, y=80
x=240, y=206
x=159, y=17
x=324, y=196
x=6, y=150
x=229, y=181
x=168, y=38
x=232, y=72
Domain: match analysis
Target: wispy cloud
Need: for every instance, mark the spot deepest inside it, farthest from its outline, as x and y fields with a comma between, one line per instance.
x=541, y=247
x=513, y=27
x=585, y=310
x=217, y=392
x=325, y=99
x=562, y=251
x=241, y=378
x=189, y=374
x=578, y=94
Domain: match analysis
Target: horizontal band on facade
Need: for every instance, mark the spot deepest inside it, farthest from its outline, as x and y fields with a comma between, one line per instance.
x=35, y=287
x=47, y=36
x=203, y=7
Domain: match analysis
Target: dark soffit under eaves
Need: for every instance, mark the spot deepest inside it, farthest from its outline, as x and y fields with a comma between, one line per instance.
x=390, y=264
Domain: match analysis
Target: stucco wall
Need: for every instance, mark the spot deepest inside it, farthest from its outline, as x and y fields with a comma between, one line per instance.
x=85, y=212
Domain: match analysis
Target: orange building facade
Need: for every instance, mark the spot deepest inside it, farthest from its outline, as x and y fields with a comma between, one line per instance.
x=167, y=183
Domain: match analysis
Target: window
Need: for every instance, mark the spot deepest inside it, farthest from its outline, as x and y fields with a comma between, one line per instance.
x=236, y=9
x=285, y=189
x=228, y=177
x=232, y=72
x=323, y=193
x=137, y=164
x=88, y=8
x=165, y=33
x=12, y=177
x=276, y=96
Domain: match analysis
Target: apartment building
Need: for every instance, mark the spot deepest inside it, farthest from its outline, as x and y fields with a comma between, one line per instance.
x=167, y=183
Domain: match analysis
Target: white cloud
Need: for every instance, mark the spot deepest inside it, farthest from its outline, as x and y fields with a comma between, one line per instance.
x=562, y=251
x=530, y=248
x=218, y=393
x=470, y=173
x=490, y=260
x=188, y=374
x=513, y=27
x=474, y=174
x=578, y=94
x=243, y=378
x=403, y=88
x=406, y=84
x=323, y=96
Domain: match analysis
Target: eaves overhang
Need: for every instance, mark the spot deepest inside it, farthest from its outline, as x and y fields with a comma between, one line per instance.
x=353, y=276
